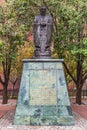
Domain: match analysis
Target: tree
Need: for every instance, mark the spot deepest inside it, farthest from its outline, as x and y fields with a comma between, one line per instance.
x=12, y=35
x=70, y=35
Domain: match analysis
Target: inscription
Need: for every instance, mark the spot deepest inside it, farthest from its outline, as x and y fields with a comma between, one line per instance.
x=43, y=88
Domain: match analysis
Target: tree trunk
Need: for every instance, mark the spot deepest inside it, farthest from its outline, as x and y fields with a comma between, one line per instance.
x=78, y=96
x=5, y=95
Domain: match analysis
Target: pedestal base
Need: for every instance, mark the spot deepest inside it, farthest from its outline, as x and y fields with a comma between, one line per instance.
x=43, y=97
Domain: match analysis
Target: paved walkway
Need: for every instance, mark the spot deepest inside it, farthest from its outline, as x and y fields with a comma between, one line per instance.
x=80, y=109
x=7, y=114
x=5, y=108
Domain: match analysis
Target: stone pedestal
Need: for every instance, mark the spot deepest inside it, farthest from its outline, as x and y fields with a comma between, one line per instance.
x=43, y=97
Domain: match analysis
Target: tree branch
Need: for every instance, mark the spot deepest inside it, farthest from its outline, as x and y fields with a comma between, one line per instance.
x=85, y=77
x=4, y=70
x=85, y=73
x=1, y=80
x=9, y=67
x=13, y=81
x=69, y=72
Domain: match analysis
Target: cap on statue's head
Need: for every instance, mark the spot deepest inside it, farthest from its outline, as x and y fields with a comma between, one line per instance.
x=43, y=7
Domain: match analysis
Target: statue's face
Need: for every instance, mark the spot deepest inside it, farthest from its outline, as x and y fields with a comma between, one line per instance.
x=43, y=10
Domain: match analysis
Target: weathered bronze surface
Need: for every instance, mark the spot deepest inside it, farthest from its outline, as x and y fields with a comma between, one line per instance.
x=42, y=31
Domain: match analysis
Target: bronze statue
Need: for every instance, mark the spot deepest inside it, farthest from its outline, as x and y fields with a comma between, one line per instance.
x=42, y=31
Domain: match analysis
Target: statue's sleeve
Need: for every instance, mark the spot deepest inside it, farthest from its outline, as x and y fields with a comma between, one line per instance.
x=49, y=29
x=35, y=31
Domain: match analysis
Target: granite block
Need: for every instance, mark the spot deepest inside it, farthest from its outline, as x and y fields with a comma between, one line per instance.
x=47, y=121
x=43, y=97
x=21, y=120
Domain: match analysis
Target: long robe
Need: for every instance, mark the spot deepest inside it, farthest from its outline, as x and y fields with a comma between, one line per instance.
x=42, y=32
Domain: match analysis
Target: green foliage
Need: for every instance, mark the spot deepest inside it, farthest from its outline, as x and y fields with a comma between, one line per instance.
x=11, y=32
x=25, y=10
x=81, y=48
x=71, y=19
x=70, y=34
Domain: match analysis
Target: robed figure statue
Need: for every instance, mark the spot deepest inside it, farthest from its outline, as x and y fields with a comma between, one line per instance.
x=42, y=33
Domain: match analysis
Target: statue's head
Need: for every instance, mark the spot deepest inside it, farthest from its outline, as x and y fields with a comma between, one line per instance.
x=43, y=10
